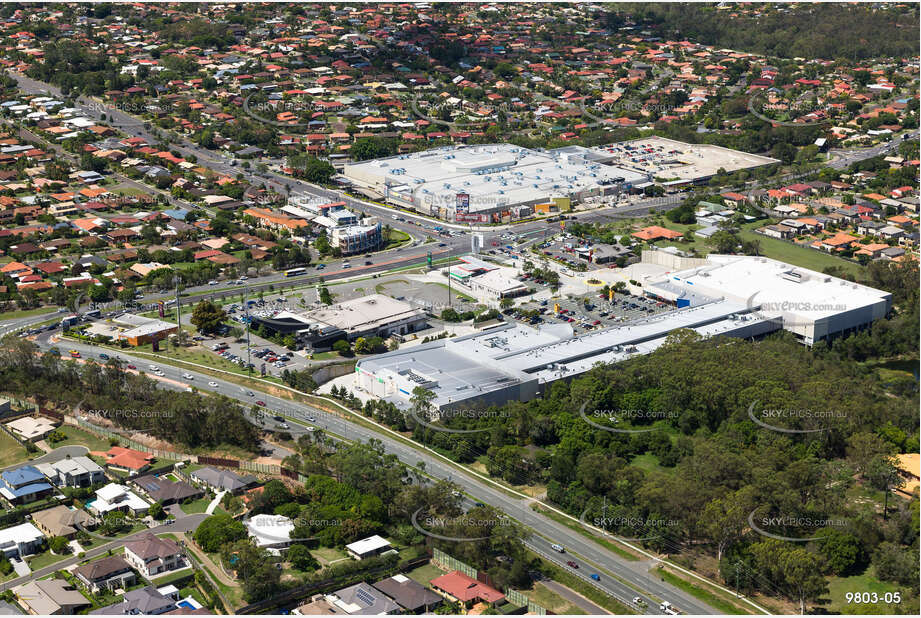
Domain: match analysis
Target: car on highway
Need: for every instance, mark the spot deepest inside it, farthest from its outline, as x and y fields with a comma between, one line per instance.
x=188, y=376
x=284, y=425
x=212, y=384
x=558, y=548
x=572, y=564
x=132, y=367
x=310, y=419
x=74, y=354
x=278, y=418
x=104, y=356
x=311, y=428
x=259, y=402
x=596, y=577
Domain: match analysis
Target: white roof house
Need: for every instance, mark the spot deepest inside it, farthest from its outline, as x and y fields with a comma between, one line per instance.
x=21, y=540
x=116, y=497
x=270, y=531
x=370, y=546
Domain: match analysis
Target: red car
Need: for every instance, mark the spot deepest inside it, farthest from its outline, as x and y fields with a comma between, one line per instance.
x=131, y=367
x=260, y=403
x=572, y=564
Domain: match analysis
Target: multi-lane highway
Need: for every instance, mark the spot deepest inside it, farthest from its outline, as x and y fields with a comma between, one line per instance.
x=622, y=579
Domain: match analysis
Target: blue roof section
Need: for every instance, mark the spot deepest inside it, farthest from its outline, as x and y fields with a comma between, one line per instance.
x=22, y=476
x=24, y=481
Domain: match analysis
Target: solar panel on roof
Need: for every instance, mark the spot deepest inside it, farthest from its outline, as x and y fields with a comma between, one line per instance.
x=365, y=596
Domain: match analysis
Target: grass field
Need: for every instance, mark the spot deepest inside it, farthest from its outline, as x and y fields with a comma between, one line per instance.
x=548, y=599
x=424, y=574
x=77, y=435
x=11, y=451
x=327, y=554
x=798, y=256
x=865, y=582
x=649, y=462
x=26, y=313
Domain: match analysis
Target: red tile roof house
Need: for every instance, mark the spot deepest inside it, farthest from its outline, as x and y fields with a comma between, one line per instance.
x=151, y=555
x=126, y=459
x=463, y=589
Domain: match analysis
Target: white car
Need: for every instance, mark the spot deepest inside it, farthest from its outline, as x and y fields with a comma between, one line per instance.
x=188, y=376
x=311, y=428
x=213, y=384
x=212, y=282
x=154, y=368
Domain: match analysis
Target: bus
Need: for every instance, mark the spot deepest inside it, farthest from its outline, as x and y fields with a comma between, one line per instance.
x=295, y=272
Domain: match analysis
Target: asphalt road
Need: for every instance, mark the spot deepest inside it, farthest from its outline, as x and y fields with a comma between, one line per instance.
x=547, y=531
x=183, y=524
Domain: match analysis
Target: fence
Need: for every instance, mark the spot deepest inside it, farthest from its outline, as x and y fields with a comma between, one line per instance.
x=249, y=466
x=295, y=594
x=451, y=563
x=516, y=597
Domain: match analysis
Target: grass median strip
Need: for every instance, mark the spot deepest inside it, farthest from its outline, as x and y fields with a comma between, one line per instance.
x=712, y=599
x=623, y=553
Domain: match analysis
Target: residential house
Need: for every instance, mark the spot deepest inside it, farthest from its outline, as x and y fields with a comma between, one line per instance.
x=116, y=497
x=32, y=428
x=891, y=232
x=870, y=228
x=152, y=555
x=463, y=589
x=360, y=599
x=838, y=242
x=20, y=541
x=365, y=548
x=778, y=231
x=412, y=596
x=109, y=573
x=50, y=597
x=127, y=459
x=79, y=471
x=147, y=601
x=61, y=521
x=222, y=480
x=166, y=492
x=24, y=485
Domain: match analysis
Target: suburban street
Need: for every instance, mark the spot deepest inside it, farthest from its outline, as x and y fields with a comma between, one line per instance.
x=618, y=577
x=632, y=577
